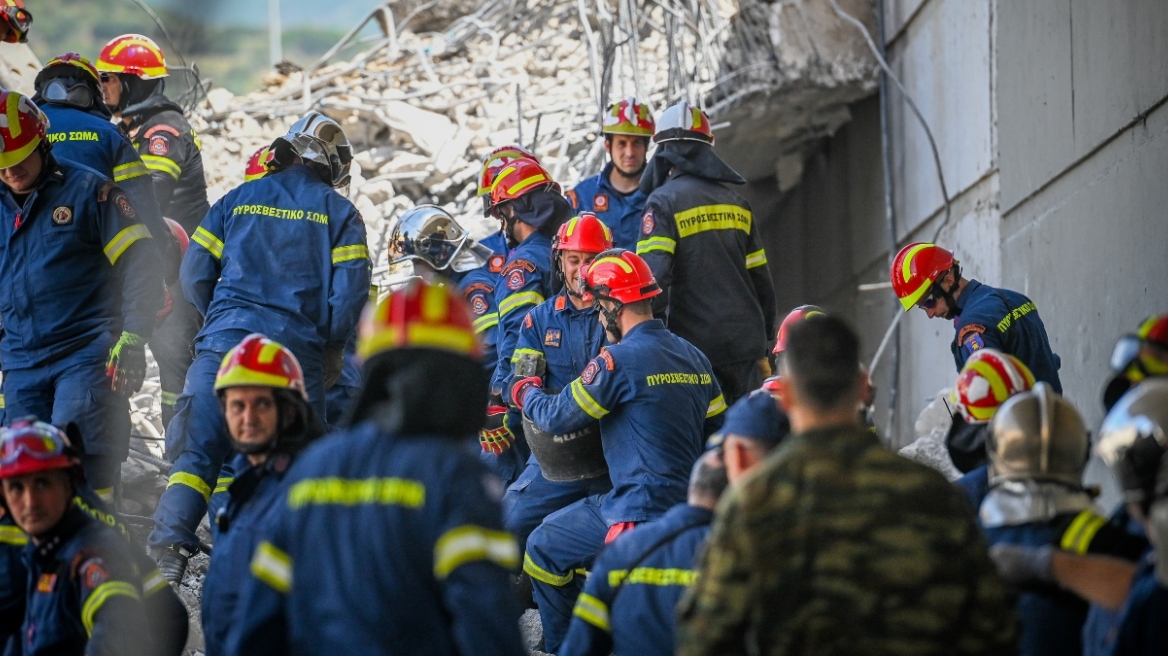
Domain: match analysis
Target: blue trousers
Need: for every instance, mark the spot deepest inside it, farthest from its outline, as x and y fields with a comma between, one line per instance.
x=532, y=498
x=76, y=389
x=198, y=444
x=558, y=551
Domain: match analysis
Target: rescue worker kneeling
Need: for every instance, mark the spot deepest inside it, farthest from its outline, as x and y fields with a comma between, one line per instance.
x=656, y=398
x=261, y=388
x=388, y=537
x=84, y=587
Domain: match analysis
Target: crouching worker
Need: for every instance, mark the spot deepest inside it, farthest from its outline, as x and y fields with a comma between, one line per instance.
x=84, y=586
x=261, y=388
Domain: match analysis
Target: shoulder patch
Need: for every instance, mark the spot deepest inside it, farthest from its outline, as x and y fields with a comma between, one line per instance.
x=159, y=145
x=600, y=203
x=528, y=321
x=479, y=304
x=63, y=216
x=970, y=337
x=92, y=573
x=516, y=279
x=590, y=372
x=155, y=129
x=561, y=303
x=124, y=205
x=495, y=264
x=647, y=223
x=609, y=363
x=518, y=264
x=103, y=192
x=571, y=196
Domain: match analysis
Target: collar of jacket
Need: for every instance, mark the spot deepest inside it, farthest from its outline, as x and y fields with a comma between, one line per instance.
x=50, y=543
x=155, y=103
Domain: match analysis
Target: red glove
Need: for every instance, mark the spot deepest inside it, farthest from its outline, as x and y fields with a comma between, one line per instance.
x=496, y=436
x=520, y=387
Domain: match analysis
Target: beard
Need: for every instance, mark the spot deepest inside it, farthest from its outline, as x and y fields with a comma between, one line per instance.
x=631, y=175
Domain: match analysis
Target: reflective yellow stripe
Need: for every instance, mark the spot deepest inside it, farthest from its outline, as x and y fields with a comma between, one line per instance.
x=272, y=566
x=13, y=535
x=519, y=300
x=128, y=171
x=99, y=596
x=355, y=492
x=153, y=583
x=204, y=238
x=592, y=610
x=756, y=259
x=190, y=480
x=664, y=244
x=526, y=182
x=123, y=240
x=585, y=400
x=1, y=401
x=486, y=322
x=524, y=351
x=466, y=544
x=652, y=576
x=347, y=253
x=542, y=575
x=717, y=406
x=222, y=484
x=713, y=217
x=1077, y=538
x=169, y=398
x=167, y=166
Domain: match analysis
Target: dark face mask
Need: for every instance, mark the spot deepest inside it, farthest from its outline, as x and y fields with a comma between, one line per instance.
x=61, y=92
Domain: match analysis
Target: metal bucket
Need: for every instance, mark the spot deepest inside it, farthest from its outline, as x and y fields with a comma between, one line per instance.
x=576, y=456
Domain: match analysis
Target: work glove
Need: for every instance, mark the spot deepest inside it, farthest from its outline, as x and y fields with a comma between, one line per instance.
x=1022, y=565
x=521, y=386
x=334, y=363
x=496, y=436
x=126, y=366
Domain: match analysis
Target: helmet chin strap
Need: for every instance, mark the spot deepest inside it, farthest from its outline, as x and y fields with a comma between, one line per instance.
x=610, y=317
x=951, y=307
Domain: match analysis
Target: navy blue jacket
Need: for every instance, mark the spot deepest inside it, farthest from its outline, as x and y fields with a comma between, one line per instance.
x=284, y=255
x=383, y=544
x=83, y=593
x=628, y=604
x=74, y=266
x=525, y=281
x=567, y=338
x=13, y=576
x=620, y=212
x=657, y=399
x=1143, y=622
x=1006, y=321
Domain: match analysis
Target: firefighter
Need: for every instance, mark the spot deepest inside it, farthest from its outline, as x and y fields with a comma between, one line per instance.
x=84, y=591
x=793, y=317
x=528, y=204
x=656, y=398
x=133, y=72
x=929, y=277
x=646, y=571
x=1137, y=356
x=261, y=388
x=15, y=21
x=389, y=538
x=495, y=161
x=614, y=194
x=702, y=243
x=83, y=287
x=563, y=333
x=304, y=288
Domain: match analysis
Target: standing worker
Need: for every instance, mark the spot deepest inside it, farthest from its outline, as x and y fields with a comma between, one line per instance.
x=614, y=194
x=82, y=287
x=304, y=287
x=388, y=538
x=929, y=277
x=702, y=243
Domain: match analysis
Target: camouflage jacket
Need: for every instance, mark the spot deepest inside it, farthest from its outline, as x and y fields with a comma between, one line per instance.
x=836, y=545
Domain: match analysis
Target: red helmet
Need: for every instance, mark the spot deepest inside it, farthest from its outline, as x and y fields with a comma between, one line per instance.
x=793, y=317
x=988, y=378
x=495, y=162
x=916, y=268
x=23, y=131
x=584, y=233
x=771, y=386
x=1155, y=330
x=260, y=362
x=419, y=315
x=29, y=446
x=133, y=54
x=628, y=117
x=518, y=178
x=18, y=18
x=180, y=235
x=620, y=275
x=75, y=60
x=684, y=122
x=258, y=163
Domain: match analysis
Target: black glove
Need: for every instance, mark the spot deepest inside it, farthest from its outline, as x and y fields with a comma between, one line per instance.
x=334, y=363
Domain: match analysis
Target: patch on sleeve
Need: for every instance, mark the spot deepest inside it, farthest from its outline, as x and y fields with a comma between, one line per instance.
x=970, y=337
x=571, y=195
x=495, y=264
x=162, y=128
x=552, y=337
x=647, y=223
x=516, y=279
x=124, y=205
x=159, y=145
x=527, y=321
x=609, y=363
x=104, y=191
x=518, y=263
x=92, y=573
x=63, y=216
x=600, y=203
x=590, y=372
x=479, y=304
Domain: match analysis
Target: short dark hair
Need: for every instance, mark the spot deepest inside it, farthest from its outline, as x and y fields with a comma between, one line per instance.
x=708, y=477
x=822, y=360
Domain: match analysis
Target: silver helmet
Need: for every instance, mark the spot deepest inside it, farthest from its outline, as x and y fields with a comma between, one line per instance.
x=1037, y=435
x=430, y=234
x=319, y=140
x=1134, y=437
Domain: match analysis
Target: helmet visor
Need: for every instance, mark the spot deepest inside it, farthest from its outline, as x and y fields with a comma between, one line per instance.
x=29, y=444
x=60, y=91
x=1126, y=350
x=19, y=21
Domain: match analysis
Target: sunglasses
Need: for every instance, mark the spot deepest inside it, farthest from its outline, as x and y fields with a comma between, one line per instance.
x=930, y=300
x=30, y=444
x=106, y=78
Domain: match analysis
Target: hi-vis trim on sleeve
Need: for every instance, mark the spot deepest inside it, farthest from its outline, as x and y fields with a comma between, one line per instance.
x=756, y=259
x=169, y=398
x=652, y=576
x=514, y=301
x=123, y=240
x=542, y=575
x=153, y=583
x=130, y=171
x=524, y=351
x=190, y=480
x=207, y=240
x=357, y=492
x=486, y=322
x=272, y=566
x=663, y=244
x=717, y=406
x=13, y=535
x=349, y=253
x=1077, y=538
x=98, y=598
x=466, y=544
x=585, y=400
x=167, y=166
x=592, y=610
x=223, y=483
